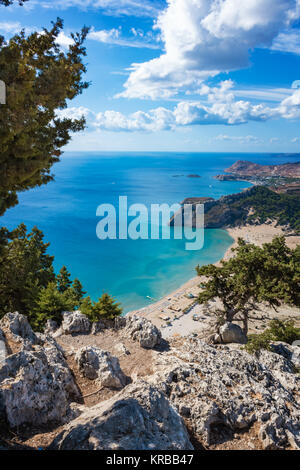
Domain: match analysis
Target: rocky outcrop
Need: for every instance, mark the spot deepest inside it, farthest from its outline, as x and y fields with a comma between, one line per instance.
x=292, y=353
x=94, y=363
x=3, y=348
x=18, y=328
x=140, y=329
x=232, y=333
x=138, y=418
x=51, y=327
x=97, y=327
x=75, y=323
x=221, y=388
x=36, y=384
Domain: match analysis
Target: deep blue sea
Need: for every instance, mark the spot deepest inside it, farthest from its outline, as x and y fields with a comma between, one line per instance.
x=130, y=270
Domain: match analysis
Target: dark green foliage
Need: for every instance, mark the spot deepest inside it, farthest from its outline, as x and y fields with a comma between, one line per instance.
x=269, y=274
x=104, y=308
x=277, y=330
x=39, y=80
x=265, y=204
x=63, y=280
x=25, y=268
x=50, y=304
x=28, y=283
x=77, y=288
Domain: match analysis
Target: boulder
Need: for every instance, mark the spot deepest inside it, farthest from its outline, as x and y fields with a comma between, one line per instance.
x=97, y=327
x=232, y=333
x=138, y=418
x=75, y=323
x=94, y=363
x=292, y=353
x=50, y=327
x=231, y=391
x=18, y=327
x=36, y=387
x=140, y=329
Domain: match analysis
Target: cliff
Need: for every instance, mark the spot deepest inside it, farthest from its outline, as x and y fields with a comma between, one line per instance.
x=254, y=206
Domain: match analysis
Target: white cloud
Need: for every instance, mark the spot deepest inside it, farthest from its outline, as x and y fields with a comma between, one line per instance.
x=247, y=139
x=205, y=37
x=295, y=140
x=73, y=113
x=287, y=41
x=63, y=40
x=147, y=8
x=220, y=108
x=10, y=27
x=114, y=36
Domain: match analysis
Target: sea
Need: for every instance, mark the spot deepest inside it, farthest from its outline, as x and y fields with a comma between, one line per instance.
x=135, y=272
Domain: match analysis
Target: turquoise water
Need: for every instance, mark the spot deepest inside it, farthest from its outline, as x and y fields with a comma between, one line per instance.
x=130, y=270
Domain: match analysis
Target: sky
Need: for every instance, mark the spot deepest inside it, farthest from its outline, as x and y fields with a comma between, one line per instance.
x=180, y=75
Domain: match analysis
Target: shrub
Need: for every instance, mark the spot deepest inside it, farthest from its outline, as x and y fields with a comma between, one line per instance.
x=278, y=330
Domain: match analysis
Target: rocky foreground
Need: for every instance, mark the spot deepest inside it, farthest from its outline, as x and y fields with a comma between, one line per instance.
x=84, y=386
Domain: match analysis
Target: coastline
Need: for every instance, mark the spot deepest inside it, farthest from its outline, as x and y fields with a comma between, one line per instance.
x=174, y=313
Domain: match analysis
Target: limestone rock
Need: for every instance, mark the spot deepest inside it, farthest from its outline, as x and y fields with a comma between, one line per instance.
x=138, y=418
x=97, y=327
x=75, y=323
x=232, y=333
x=17, y=325
x=50, y=327
x=121, y=349
x=94, y=363
x=292, y=353
x=3, y=349
x=36, y=387
x=225, y=388
x=140, y=329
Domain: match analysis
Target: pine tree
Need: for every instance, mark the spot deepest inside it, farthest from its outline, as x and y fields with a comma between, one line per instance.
x=63, y=279
x=269, y=274
x=39, y=80
x=106, y=307
x=50, y=305
x=78, y=291
x=25, y=268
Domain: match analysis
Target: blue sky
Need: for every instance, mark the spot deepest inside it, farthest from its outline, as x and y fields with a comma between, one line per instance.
x=181, y=75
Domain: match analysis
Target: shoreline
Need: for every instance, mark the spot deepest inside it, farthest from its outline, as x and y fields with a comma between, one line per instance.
x=174, y=312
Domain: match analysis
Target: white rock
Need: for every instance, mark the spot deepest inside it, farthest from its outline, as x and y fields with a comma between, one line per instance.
x=232, y=333
x=94, y=363
x=138, y=418
x=75, y=323
x=140, y=329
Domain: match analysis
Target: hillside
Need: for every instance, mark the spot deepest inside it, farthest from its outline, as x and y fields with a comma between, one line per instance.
x=243, y=167
x=254, y=206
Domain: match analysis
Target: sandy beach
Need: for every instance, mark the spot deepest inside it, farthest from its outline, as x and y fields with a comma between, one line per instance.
x=178, y=314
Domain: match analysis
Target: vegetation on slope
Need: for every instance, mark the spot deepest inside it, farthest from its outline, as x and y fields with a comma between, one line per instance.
x=256, y=205
x=270, y=274
x=29, y=285
x=278, y=330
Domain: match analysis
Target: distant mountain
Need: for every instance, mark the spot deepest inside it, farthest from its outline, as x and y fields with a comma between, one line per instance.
x=245, y=168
